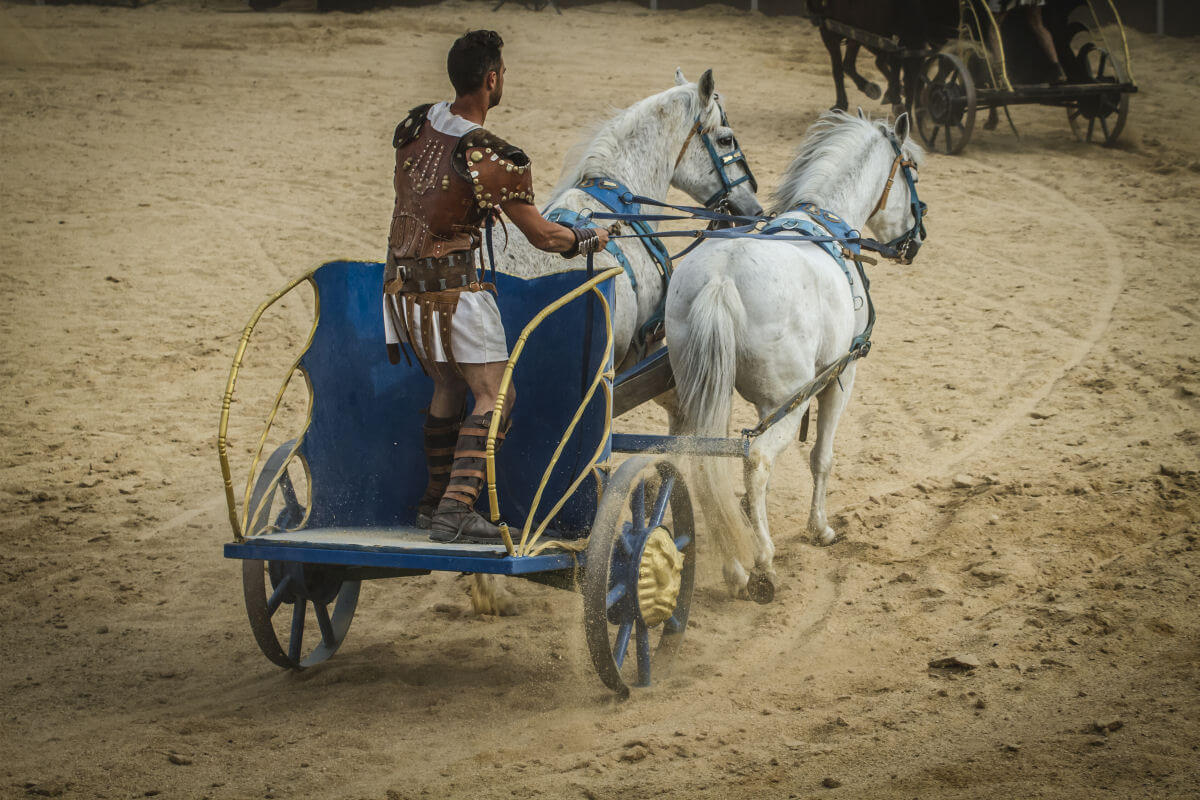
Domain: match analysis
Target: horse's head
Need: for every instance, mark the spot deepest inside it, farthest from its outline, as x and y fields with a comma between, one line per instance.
x=710, y=166
x=899, y=216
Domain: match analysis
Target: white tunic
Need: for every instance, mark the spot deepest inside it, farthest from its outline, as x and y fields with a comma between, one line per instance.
x=476, y=332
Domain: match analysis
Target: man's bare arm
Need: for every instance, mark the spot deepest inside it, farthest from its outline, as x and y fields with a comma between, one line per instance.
x=541, y=232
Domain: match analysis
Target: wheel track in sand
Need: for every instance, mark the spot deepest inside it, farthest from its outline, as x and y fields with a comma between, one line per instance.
x=764, y=653
x=1078, y=349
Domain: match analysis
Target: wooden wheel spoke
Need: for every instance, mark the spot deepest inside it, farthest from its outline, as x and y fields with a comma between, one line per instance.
x=277, y=595
x=943, y=67
x=297, y=637
x=1104, y=127
x=637, y=504
x=614, y=595
x=328, y=637
x=622, y=643
x=623, y=540
x=949, y=140
x=643, y=653
x=660, y=503
x=1091, y=128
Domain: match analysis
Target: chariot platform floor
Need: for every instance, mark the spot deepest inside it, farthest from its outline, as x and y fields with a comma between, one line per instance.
x=401, y=547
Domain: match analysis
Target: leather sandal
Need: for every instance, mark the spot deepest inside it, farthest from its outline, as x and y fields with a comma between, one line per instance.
x=425, y=517
x=455, y=522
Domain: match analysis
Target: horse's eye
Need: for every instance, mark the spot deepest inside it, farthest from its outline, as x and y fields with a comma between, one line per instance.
x=725, y=141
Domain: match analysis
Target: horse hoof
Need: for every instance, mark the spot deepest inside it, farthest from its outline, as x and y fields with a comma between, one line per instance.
x=761, y=587
x=828, y=537
x=872, y=91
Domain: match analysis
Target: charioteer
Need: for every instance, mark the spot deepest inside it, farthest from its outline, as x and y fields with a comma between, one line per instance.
x=453, y=176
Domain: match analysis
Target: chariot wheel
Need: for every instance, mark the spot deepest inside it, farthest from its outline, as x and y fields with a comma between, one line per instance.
x=307, y=590
x=1101, y=117
x=639, y=573
x=945, y=104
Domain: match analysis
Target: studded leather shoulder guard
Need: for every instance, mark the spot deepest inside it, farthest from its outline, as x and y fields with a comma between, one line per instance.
x=410, y=127
x=498, y=171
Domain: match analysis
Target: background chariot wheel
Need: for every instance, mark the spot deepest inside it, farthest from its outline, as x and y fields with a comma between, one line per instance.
x=639, y=571
x=945, y=104
x=1097, y=118
x=305, y=590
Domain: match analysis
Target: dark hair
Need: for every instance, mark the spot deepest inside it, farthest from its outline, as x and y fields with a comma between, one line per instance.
x=471, y=58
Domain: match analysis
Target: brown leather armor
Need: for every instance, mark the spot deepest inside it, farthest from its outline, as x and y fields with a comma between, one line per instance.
x=445, y=189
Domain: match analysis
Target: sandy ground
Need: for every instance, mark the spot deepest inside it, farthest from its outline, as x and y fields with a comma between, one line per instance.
x=1017, y=474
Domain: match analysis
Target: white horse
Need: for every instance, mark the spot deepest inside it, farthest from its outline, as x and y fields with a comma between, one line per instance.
x=765, y=317
x=649, y=147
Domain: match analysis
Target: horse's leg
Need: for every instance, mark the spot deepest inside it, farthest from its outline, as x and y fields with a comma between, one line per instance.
x=890, y=67
x=830, y=404
x=850, y=65
x=670, y=403
x=760, y=461
x=833, y=43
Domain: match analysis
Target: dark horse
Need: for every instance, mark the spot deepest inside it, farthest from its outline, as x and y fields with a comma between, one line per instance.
x=917, y=24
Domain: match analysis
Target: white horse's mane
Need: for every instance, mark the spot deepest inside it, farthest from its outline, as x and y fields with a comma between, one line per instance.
x=833, y=151
x=602, y=145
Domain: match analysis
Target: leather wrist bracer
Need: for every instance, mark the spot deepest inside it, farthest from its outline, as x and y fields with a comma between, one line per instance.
x=587, y=240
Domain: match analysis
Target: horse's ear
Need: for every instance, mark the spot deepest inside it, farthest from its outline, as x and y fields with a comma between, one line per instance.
x=902, y=126
x=679, y=79
x=861, y=114
x=706, y=86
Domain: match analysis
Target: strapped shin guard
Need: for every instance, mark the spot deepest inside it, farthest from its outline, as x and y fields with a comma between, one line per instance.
x=467, y=474
x=441, y=436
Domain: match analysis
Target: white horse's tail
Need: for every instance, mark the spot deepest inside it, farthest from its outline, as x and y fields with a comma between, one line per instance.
x=705, y=367
x=705, y=363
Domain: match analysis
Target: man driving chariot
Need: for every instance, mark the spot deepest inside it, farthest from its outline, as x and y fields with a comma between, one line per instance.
x=453, y=176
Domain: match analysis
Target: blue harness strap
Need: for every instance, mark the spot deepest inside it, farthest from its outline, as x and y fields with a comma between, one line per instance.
x=819, y=223
x=624, y=205
x=617, y=198
x=574, y=218
x=841, y=238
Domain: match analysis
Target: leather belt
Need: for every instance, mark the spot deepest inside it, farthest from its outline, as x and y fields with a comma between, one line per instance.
x=432, y=274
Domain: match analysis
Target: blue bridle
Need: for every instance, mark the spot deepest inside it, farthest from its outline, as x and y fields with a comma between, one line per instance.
x=721, y=161
x=906, y=244
x=614, y=196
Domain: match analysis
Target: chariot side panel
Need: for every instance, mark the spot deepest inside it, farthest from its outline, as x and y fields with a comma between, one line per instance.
x=364, y=447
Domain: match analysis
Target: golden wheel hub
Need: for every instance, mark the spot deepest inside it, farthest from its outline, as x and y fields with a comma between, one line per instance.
x=659, y=577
